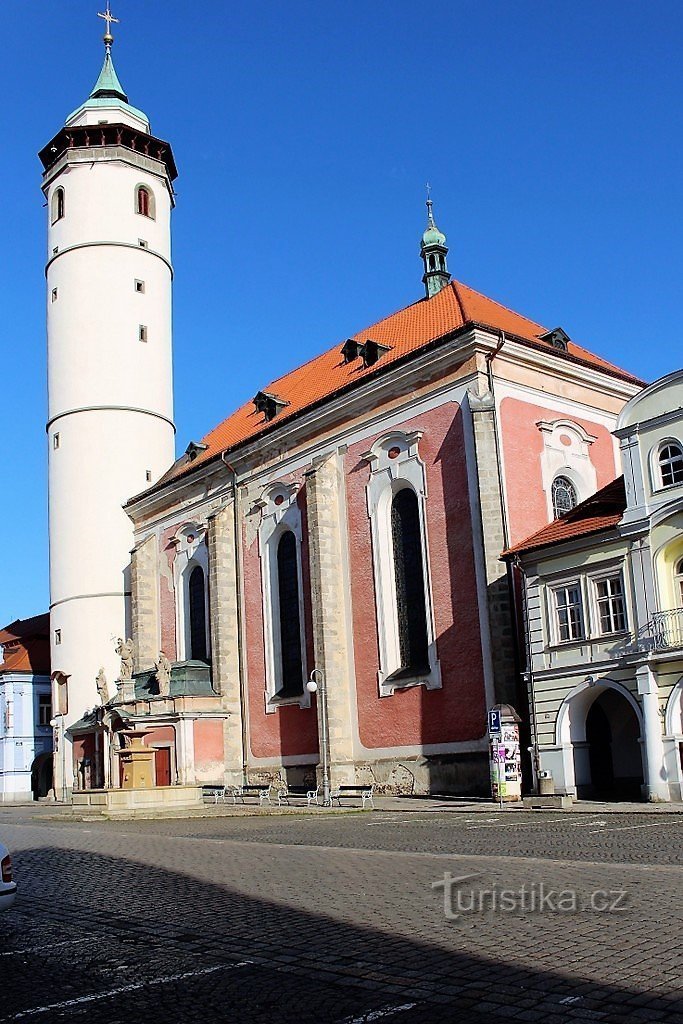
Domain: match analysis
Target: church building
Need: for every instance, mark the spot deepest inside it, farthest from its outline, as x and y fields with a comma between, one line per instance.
x=345, y=525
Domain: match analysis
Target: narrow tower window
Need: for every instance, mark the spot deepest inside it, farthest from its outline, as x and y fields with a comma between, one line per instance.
x=139, y=286
x=54, y=294
x=58, y=636
x=142, y=332
x=291, y=681
x=55, y=441
x=144, y=201
x=410, y=589
x=57, y=204
x=197, y=608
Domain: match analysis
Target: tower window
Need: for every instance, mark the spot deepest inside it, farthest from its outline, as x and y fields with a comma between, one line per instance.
x=55, y=441
x=58, y=636
x=54, y=294
x=139, y=286
x=144, y=201
x=142, y=243
x=290, y=621
x=142, y=332
x=57, y=204
x=564, y=496
x=148, y=475
x=197, y=609
x=410, y=588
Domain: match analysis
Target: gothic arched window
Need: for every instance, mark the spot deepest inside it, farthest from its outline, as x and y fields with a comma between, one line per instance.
x=671, y=463
x=197, y=611
x=410, y=585
x=564, y=496
x=57, y=204
x=291, y=661
x=144, y=201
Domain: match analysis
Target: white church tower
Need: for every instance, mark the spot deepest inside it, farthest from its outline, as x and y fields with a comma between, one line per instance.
x=108, y=185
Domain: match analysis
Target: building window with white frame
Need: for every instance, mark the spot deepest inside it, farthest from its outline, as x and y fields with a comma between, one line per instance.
x=671, y=464
x=191, y=570
x=410, y=589
x=564, y=496
x=569, y=613
x=291, y=659
x=611, y=604
x=57, y=204
x=678, y=582
x=396, y=496
x=196, y=599
x=44, y=709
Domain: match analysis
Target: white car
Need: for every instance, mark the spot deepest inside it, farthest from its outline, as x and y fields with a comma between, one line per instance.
x=8, y=888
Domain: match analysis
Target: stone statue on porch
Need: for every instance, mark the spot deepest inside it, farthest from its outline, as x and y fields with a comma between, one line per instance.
x=124, y=649
x=163, y=672
x=102, y=686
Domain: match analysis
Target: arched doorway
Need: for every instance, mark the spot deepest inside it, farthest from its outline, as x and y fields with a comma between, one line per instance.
x=612, y=734
x=41, y=776
x=599, y=730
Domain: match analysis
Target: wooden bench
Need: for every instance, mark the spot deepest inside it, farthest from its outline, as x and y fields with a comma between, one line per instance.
x=363, y=791
x=286, y=793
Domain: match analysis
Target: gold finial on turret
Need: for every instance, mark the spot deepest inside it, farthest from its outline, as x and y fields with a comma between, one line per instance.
x=110, y=19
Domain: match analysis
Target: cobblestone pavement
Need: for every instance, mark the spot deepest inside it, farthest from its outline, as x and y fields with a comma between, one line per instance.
x=338, y=919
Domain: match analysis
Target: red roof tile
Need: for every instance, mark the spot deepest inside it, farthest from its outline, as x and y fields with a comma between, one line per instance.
x=406, y=331
x=602, y=511
x=26, y=645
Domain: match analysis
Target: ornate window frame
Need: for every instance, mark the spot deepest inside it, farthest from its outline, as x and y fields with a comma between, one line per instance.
x=191, y=551
x=279, y=513
x=395, y=463
x=566, y=452
x=656, y=477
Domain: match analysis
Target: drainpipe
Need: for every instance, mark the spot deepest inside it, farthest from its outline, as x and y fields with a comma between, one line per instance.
x=528, y=676
x=240, y=638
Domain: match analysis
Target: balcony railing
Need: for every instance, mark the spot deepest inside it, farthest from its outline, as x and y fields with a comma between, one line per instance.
x=664, y=632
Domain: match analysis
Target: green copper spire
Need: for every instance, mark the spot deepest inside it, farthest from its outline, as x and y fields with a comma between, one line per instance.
x=433, y=250
x=108, y=91
x=108, y=85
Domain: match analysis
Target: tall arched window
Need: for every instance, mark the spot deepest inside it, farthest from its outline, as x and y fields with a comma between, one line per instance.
x=671, y=464
x=291, y=680
x=678, y=578
x=564, y=496
x=144, y=201
x=57, y=204
x=197, y=609
x=410, y=585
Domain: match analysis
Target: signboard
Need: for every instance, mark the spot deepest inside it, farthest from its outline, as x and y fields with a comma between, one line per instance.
x=494, y=720
x=505, y=759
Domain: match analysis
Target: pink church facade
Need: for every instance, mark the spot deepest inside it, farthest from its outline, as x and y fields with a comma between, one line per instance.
x=350, y=521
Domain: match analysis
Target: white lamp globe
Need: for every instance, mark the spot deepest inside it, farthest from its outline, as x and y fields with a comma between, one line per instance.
x=311, y=686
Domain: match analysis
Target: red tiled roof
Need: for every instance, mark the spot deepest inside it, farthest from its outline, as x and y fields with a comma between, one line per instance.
x=26, y=645
x=406, y=331
x=602, y=511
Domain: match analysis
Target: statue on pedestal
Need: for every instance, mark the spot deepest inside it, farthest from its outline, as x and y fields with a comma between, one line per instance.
x=163, y=672
x=102, y=686
x=124, y=649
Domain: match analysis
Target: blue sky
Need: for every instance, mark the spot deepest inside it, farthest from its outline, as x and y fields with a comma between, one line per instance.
x=304, y=133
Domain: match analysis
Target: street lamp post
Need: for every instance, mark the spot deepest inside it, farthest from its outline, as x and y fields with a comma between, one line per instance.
x=316, y=684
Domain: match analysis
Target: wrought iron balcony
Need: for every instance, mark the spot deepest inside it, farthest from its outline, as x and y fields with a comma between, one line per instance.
x=663, y=632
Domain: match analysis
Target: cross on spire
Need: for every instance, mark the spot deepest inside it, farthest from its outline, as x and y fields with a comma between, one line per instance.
x=430, y=218
x=110, y=19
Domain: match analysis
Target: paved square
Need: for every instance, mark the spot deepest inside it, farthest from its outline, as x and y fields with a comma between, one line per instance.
x=337, y=918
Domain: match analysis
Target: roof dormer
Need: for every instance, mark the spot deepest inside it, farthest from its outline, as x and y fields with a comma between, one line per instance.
x=268, y=404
